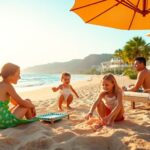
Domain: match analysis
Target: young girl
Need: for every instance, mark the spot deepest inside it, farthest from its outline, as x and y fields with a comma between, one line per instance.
x=109, y=103
x=10, y=74
x=65, y=91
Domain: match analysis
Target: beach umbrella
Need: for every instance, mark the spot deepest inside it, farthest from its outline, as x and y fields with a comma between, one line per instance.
x=121, y=14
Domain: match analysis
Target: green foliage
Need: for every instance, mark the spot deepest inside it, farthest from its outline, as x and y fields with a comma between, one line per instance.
x=118, y=71
x=93, y=71
x=133, y=48
x=131, y=73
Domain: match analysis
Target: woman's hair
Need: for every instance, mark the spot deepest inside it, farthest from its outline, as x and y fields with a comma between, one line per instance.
x=65, y=74
x=8, y=69
x=112, y=79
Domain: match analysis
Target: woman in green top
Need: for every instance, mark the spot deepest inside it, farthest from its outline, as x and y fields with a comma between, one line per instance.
x=22, y=108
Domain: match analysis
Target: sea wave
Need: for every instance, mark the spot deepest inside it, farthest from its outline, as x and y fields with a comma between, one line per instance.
x=32, y=80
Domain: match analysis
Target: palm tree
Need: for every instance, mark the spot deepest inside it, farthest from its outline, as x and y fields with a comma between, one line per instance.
x=136, y=47
x=118, y=53
x=146, y=51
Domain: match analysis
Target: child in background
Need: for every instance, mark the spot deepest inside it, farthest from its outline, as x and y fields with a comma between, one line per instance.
x=10, y=74
x=66, y=91
x=109, y=103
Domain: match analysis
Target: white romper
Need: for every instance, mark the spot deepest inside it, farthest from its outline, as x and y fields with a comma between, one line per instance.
x=110, y=102
x=66, y=92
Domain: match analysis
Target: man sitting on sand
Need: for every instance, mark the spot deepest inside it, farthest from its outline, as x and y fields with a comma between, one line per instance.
x=143, y=77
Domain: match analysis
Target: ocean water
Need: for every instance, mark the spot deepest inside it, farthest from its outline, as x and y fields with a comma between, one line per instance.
x=33, y=80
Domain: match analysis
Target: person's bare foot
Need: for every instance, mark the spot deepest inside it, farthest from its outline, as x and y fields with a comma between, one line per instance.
x=60, y=109
x=69, y=108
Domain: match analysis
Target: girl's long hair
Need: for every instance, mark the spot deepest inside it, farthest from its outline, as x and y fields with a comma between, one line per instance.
x=112, y=79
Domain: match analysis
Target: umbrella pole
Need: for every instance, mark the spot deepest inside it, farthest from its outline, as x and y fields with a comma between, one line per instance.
x=144, y=7
x=135, y=11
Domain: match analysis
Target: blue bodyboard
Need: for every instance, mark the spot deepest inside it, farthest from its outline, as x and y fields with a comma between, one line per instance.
x=52, y=117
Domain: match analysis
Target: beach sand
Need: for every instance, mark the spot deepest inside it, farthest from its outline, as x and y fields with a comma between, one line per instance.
x=75, y=134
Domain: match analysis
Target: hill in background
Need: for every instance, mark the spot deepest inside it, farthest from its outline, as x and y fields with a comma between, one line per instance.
x=74, y=66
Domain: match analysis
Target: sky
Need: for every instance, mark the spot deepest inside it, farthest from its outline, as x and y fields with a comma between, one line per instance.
x=34, y=32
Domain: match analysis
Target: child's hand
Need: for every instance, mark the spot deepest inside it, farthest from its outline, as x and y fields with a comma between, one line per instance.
x=33, y=109
x=30, y=103
x=54, y=89
x=106, y=120
x=61, y=86
x=89, y=115
x=33, y=112
x=124, y=88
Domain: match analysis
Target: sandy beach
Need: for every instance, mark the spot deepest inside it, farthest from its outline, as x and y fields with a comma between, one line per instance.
x=75, y=134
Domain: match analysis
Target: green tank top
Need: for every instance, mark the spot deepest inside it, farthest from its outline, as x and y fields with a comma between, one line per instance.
x=7, y=119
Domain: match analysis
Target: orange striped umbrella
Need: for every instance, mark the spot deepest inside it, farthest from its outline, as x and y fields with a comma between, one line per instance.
x=122, y=14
